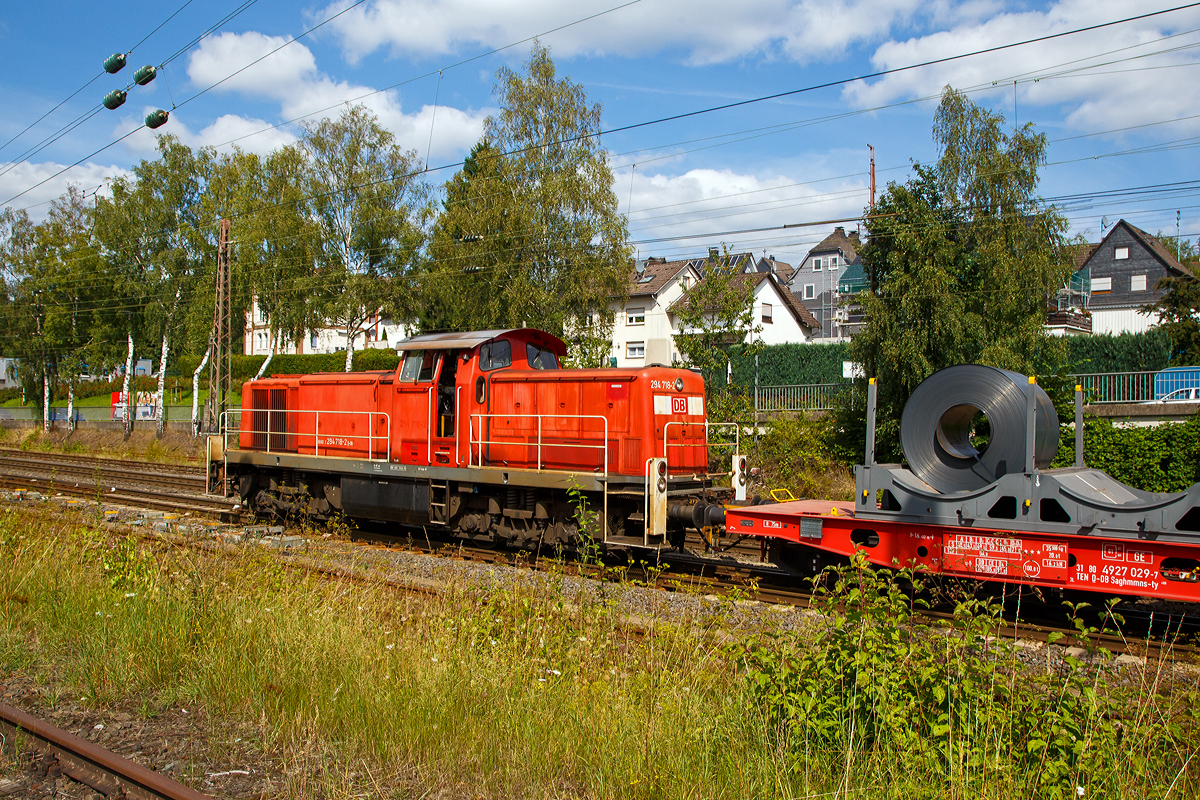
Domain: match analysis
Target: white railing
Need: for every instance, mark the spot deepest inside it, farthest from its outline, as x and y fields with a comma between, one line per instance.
x=472, y=451
x=289, y=431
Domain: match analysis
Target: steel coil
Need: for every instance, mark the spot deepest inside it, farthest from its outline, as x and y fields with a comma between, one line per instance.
x=937, y=426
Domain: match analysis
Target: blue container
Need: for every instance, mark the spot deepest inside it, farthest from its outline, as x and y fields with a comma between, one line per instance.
x=1174, y=378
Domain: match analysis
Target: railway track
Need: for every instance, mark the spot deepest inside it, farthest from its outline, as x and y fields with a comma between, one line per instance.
x=180, y=489
x=120, y=482
x=63, y=753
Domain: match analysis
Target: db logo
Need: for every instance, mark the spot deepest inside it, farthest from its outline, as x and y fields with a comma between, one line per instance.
x=678, y=405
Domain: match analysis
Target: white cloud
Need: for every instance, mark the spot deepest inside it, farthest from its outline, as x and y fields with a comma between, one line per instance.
x=226, y=129
x=1098, y=101
x=703, y=202
x=17, y=178
x=290, y=77
x=706, y=31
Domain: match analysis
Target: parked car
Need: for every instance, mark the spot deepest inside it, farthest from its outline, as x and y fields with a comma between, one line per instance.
x=1190, y=394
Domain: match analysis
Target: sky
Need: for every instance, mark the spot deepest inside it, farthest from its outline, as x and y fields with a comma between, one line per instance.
x=1120, y=104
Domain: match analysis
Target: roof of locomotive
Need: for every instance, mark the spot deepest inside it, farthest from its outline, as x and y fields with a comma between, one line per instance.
x=457, y=340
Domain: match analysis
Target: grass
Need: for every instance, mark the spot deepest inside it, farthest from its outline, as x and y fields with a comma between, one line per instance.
x=513, y=690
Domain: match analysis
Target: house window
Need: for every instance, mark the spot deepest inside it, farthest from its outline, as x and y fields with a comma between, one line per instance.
x=635, y=316
x=766, y=313
x=313, y=340
x=816, y=264
x=635, y=350
x=1137, y=283
x=1121, y=253
x=832, y=261
x=1101, y=285
x=687, y=282
x=810, y=291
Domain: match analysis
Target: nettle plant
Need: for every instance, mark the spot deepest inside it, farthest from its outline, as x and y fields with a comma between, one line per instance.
x=881, y=692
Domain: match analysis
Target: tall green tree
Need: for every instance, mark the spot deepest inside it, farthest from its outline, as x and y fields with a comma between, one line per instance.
x=530, y=233
x=1178, y=313
x=150, y=229
x=963, y=259
x=371, y=215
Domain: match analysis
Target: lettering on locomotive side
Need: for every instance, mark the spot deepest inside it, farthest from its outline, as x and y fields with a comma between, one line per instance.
x=667, y=385
x=336, y=441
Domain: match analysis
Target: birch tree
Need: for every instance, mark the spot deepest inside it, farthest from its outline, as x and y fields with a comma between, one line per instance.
x=371, y=213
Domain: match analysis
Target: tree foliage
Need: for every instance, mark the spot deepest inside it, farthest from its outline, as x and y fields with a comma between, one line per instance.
x=529, y=233
x=1178, y=313
x=963, y=259
x=715, y=318
x=370, y=212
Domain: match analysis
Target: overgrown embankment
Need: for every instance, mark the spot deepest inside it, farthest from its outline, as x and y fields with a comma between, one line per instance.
x=516, y=690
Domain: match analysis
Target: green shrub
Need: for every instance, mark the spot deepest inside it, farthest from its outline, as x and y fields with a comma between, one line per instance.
x=796, y=454
x=1164, y=458
x=934, y=709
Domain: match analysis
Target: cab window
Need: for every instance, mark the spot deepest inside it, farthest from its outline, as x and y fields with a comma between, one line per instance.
x=540, y=358
x=418, y=366
x=495, y=354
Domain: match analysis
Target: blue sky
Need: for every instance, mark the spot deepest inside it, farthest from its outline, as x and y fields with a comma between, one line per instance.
x=798, y=159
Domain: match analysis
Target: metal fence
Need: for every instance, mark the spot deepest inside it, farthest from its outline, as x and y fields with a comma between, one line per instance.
x=805, y=397
x=1098, y=387
x=85, y=413
x=1116, y=387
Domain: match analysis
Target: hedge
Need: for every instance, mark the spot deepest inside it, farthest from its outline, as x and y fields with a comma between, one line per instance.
x=1127, y=352
x=1162, y=458
x=793, y=365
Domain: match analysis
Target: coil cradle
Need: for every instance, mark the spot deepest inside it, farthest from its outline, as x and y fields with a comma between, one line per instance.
x=950, y=482
x=937, y=423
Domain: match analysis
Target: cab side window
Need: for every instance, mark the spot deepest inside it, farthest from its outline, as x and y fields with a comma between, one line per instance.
x=418, y=366
x=495, y=354
x=539, y=358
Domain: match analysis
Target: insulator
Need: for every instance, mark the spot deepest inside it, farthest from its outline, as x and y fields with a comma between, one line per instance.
x=114, y=63
x=156, y=119
x=115, y=99
x=144, y=75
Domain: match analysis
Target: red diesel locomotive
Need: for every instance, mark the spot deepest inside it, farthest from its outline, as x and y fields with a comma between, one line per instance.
x=483, y=435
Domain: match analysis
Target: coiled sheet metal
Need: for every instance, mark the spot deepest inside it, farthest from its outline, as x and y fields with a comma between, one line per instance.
x=940, y=419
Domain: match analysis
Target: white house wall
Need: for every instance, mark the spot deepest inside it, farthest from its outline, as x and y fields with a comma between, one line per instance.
x=1121, y=320
x=783, y=328
x=656, y=334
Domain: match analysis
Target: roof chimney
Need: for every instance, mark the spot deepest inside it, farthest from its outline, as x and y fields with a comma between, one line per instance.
x=713, y=253
x=839, y=230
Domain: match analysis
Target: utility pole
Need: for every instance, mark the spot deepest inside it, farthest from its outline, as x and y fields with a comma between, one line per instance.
x=872, y=177
x=220, y=368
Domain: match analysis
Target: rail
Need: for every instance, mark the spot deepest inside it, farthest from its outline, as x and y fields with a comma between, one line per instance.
x=285, y=431
x=103, y=770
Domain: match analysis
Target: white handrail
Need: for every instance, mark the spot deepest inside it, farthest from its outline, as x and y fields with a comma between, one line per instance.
x=233, y=432
x=472, y=441
x=736, y=444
